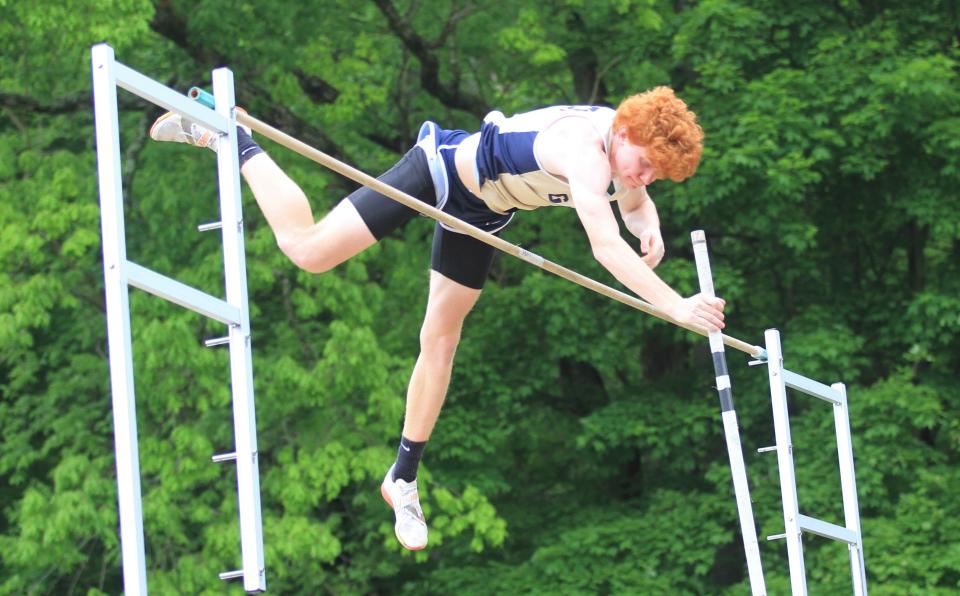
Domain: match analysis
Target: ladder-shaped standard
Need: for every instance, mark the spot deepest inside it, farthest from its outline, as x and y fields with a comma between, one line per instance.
x=120, y=273
x=794, y=522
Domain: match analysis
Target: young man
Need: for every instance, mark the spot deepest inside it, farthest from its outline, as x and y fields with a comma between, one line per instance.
x=564, y=155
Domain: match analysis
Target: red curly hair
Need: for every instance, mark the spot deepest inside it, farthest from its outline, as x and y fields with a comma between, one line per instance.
x=660, y=122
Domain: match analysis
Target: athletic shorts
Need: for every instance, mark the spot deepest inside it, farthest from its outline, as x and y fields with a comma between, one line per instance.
x=459, y=257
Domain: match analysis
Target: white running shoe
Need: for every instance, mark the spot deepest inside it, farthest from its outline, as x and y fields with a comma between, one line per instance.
x=411, y=528
x=176, y=128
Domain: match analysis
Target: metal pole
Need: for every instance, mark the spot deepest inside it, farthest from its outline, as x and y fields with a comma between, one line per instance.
x=788, y=482
x=241, y=368
x=848, y=483
x=118, y=319
x=731, y=430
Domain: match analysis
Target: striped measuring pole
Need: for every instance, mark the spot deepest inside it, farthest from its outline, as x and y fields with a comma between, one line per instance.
x=732, y=431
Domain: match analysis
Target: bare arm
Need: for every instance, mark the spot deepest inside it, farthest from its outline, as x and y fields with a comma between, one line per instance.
x=640, y=217
x=638, y=211
x=609, y=248
x=578, y=155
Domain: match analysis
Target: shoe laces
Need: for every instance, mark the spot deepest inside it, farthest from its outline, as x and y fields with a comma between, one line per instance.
x=202, y=136
x=410, y=499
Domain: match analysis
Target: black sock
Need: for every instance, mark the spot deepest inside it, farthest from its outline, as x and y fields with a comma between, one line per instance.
x=246, y=146
x=408, y=459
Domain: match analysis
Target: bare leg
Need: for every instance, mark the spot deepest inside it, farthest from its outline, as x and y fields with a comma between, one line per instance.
x=319, y=246
x=447, y=307
x=313, y=246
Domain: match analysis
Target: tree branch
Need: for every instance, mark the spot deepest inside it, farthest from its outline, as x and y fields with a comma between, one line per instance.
x=173, y=26
x=316, y=88
x=584, y=64
x=391, y=142
x=429, y=65
x=131, y=157
x=66, y=104
x=455, y=17
x=61, y=105
x=594, y=94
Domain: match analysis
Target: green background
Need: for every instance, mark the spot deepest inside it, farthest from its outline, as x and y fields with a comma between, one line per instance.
x=581, y=449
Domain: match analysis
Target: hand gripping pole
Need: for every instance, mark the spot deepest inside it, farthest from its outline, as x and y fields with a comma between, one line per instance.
x=731, y=430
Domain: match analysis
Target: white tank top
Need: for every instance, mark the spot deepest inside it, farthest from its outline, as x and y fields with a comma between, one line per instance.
x=511, y=176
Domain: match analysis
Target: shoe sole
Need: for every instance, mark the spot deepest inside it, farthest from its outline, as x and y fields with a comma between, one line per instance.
x=159, y=121
x=169, y=115
x=386, y=497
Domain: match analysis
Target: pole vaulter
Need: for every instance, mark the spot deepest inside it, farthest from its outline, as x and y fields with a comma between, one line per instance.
x=365, y=179
x=717, y=339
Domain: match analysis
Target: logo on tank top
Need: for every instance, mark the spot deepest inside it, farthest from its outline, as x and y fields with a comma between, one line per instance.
x=558, y=198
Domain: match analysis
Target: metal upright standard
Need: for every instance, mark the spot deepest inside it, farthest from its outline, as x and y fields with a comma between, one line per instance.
x=120, y=273
x=794, y=522
x=732, y=431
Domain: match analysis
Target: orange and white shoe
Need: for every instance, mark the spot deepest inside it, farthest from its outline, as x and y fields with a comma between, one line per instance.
x=174, y=127
x=402, y=496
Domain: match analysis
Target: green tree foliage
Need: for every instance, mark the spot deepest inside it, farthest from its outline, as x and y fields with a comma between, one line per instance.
x=580, y=450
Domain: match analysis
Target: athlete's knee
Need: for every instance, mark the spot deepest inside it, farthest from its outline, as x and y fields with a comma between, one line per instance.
x=440, y=340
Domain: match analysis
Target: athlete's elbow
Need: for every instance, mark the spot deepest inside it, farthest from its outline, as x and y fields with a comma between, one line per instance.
x=605, y=253
x=303, y=257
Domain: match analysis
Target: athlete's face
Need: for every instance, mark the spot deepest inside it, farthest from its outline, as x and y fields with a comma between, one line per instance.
x=630, y=163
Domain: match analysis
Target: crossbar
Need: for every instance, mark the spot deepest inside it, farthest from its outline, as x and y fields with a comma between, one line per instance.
x=458, y=225
x=810, y=387
x=152, y=91
x=827, y=530
x=181, y=294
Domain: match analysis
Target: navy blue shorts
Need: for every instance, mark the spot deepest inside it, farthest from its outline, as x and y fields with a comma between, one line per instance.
x=459, y=257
